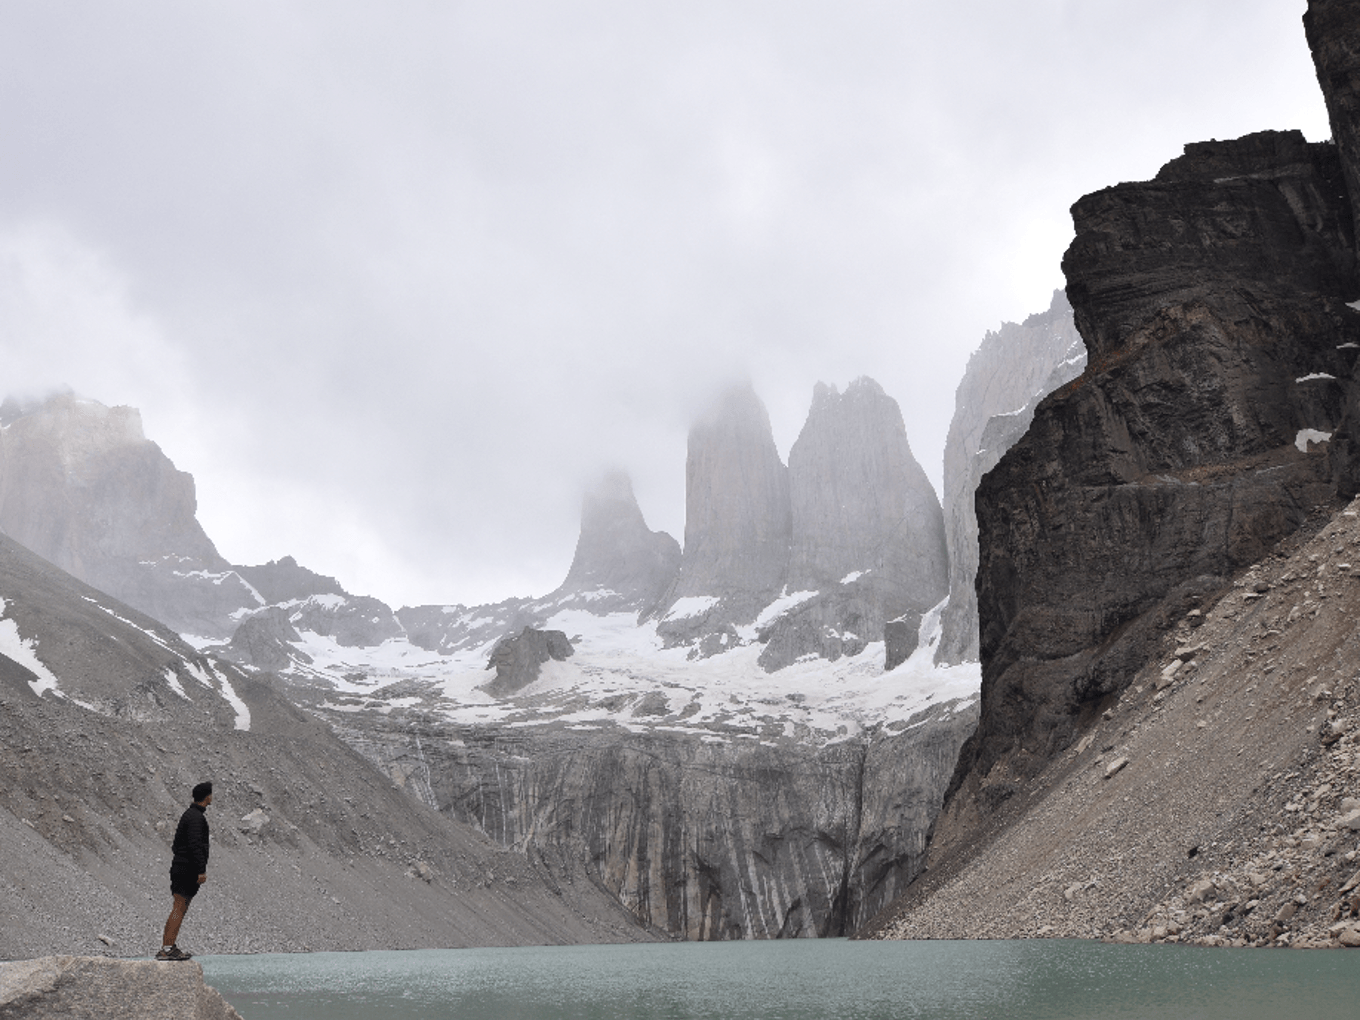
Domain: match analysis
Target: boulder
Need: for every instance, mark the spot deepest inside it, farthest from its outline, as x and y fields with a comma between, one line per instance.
x=518, y=660
x=60, y=987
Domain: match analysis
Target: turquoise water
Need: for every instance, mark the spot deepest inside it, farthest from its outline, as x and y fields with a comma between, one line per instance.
x=798, y=980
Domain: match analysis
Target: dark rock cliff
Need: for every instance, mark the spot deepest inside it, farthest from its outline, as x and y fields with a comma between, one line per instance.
x=1333, y=30
x=1012, y=370
x=1213, y=304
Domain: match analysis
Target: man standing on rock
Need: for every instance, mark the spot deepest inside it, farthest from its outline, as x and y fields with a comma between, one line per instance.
x=189, y=869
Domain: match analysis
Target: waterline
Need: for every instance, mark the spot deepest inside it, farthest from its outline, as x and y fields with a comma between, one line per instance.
x=804, y=979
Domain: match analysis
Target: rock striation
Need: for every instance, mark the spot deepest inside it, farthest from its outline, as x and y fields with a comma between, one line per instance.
x=82, y=486
x=705, y=838
x=1013, y=369
x=58, y=987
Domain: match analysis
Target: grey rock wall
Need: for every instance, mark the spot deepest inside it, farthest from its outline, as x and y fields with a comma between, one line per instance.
x=617, y=556
x=82, y=486
x=1011, y=371
x=737, y=524
x=702, y=839
x=867, y=531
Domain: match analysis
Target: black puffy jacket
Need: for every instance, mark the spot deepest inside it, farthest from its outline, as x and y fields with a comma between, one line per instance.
x=191, y=841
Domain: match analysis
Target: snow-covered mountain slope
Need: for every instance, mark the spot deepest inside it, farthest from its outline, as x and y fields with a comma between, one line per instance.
x=621, y=675
x=714, y=799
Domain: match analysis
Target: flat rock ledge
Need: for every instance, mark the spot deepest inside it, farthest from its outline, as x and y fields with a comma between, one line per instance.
x=86, y=986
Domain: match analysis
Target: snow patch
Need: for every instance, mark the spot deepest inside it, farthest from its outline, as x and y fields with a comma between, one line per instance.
x=172, y=681
x=25, y=653
x=1314, y=376
x=234, y=700
x=853, y=576
x=1307, y=436
x=690, y=605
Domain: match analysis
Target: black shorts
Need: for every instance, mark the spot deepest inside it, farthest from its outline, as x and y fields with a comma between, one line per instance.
x=184, y=883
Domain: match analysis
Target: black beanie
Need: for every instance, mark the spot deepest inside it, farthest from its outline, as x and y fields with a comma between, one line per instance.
x=202, y=790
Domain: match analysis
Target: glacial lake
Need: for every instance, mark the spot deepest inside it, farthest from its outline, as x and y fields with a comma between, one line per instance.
x=802, y=979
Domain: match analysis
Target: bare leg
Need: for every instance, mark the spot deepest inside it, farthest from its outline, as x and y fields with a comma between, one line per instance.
x=175, y=919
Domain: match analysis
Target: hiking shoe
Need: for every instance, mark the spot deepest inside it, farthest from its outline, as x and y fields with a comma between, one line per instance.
x=174, y=953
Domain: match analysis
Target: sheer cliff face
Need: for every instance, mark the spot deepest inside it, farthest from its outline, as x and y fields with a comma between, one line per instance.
x=1213, y=303
x=736, y=502
x=1010, y=372
x=737, y=527
x=860, y=501
x=617, y=556
x=82, y=486
x=1333, y=30
x=867, y=531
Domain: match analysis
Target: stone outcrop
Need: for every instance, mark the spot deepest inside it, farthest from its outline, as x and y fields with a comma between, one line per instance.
x=82, y=486
x=1011, y=371
x=619, y=563
x=284, y=580
x=867, y=532
x=266, y=640
x=1213, y=304
x=1333, y=33
x=518, y=660
x=737, y=523
x=353, y=621
x=811, y=560
x=59, y=987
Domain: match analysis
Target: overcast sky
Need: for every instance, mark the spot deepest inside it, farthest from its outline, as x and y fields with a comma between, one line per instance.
x=394, y=280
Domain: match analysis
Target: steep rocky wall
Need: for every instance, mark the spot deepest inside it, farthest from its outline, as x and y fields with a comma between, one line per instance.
x=860, y=501
x=1213, y=303
x=703, y=839
x=1333, y=32
x=1011, y=371
x=617, y=556
x=737, y=523
x=83, y=487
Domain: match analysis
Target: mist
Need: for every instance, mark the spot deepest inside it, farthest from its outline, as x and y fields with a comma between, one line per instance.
x=394, y=284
